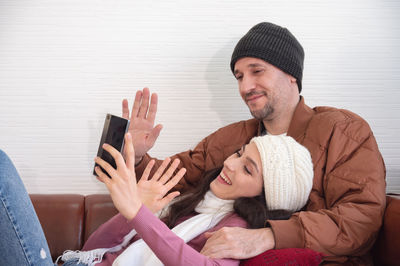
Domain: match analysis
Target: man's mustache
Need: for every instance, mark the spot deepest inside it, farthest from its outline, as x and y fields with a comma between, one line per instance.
x=253, y=93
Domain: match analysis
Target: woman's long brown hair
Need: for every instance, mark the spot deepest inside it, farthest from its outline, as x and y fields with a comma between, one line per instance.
x=253, y=210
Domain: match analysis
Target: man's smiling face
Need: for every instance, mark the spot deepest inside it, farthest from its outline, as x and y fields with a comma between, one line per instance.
x=263, y=87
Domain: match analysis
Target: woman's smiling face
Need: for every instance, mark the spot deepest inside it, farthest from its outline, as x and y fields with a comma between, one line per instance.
x=241, y=175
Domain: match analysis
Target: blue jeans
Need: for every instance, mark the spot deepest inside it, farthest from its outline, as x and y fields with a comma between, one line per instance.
x=22, y=241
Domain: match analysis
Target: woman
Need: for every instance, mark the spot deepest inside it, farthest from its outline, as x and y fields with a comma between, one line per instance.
x=269, y=178
x=233, y=197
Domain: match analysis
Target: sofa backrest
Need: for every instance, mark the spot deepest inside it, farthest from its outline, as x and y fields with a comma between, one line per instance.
x=69, y=219
x=62, y=220
x=99, y=208
x=386, y=250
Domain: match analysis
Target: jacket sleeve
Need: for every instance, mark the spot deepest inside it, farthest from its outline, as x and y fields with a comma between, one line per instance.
x=168, y=247
x=352, y=198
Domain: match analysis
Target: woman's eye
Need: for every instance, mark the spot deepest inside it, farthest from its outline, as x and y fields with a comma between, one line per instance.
x=247, y=170
x=238, y=153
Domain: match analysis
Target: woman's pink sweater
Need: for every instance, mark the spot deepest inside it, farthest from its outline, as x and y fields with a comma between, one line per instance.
x=168, y=247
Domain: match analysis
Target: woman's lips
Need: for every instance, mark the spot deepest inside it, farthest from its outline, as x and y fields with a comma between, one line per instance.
x=224, y=179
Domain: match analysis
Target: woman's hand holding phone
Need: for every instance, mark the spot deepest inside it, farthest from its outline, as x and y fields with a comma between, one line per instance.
x=127, y=195
x=122, y=184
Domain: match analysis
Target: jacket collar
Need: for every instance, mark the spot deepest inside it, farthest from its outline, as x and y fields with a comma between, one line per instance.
x=301, y=117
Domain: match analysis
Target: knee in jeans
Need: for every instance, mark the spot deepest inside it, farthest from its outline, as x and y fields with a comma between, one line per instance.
x=7, y=168
x=4, y=159
x=3, y=155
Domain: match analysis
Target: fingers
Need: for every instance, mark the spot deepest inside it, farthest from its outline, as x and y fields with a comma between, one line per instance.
x=154, y=133
x=147, y=170
x=136, y=104
x=129, y=152
x=208, y=234
x=171, y=183
x=170, y=171
x=153, y=108
x=125, y=109
x=219, y=237
x=167, y=199
x=141, y=105
x=238, y=243
x=106, y=166
x=165, y=178
x=216, y=246
x=161, y=169
x=101, y=176
x=119, y=160
x=144, y=106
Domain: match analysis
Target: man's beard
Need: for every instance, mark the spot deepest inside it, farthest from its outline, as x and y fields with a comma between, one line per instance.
x=264, y=113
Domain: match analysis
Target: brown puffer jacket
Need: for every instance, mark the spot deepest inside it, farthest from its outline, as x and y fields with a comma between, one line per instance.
x=346, y=204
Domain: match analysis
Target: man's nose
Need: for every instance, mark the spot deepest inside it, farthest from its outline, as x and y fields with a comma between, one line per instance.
x=247, y=85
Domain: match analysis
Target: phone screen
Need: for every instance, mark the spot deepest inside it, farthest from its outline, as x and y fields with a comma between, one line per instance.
x=114, y=131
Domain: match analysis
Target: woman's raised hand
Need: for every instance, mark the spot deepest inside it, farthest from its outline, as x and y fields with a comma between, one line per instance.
x=122, y=184
x=152, y=191
x=128, y=196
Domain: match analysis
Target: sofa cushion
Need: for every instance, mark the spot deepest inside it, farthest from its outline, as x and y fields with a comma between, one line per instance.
x=287, y=256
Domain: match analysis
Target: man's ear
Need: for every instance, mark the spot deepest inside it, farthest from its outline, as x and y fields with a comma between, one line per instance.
x=292, y=81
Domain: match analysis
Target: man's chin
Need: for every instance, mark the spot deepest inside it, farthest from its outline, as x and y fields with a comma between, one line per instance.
x=257, y=115
x=263, y=113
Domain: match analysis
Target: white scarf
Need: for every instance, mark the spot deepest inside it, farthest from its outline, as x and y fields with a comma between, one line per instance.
x=211, y=211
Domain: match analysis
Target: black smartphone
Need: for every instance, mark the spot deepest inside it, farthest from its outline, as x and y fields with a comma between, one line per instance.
x=114, y=131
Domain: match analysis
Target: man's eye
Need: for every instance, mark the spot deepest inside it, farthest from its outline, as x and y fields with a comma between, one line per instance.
x=238, y=77
x=238, y=153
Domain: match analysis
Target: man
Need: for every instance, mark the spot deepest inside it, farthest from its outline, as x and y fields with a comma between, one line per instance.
x=346, y=205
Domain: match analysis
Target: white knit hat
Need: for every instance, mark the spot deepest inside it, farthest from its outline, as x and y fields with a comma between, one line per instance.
x=287, y=172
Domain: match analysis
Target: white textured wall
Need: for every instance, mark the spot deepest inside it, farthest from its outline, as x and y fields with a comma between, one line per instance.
x=65, y=63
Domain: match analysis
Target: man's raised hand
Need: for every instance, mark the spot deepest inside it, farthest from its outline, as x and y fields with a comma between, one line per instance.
x=142, y=129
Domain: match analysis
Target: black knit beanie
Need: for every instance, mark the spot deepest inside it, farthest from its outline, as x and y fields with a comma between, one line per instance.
x=273, y=44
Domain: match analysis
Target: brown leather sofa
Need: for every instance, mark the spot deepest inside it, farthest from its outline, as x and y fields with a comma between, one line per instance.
x=69, y=219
